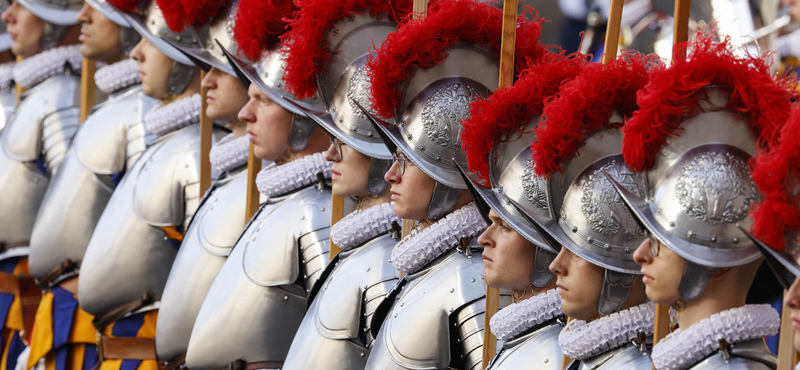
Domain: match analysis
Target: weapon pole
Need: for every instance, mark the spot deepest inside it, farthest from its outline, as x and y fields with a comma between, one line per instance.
x=206, y=133
x=88, y=68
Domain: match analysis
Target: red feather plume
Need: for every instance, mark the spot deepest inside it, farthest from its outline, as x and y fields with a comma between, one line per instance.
x=307, y=41
x=259, y=25
x=203, y=12
x=584, y=105
x=670, y=96
x=777, y=174
x=174, y=14
x=422, y=43
x=130, y=6
x=511, y=109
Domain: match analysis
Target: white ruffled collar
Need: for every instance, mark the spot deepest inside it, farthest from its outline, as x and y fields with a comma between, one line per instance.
x=276, y=179
x=517, y=318
x=684, y=348
x=360, y=226
x=421, y=247
x=119, y=75
x=165, y=118
x=581, y=340
x=6, y=75
x=31, y=71
x=230, y=152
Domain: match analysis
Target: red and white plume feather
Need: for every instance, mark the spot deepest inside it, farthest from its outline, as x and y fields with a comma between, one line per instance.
x=174, y=14
x=203, y=12
x=260, y=24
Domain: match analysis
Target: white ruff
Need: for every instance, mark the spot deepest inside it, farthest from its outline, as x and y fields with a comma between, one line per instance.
x=421, y=247
x=117, y=76
x=31, y=71
x=361, y=226
x=683, y=348
x=6, y=75
x=519, y=317
x=280, y=179
x=581, y=340
x=230, y=152
x=163, y=119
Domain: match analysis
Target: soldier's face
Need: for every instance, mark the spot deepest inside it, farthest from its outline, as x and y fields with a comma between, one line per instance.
x=154, y=68
x=661, y=274
x=349, y=174
x=579, y=282
x=25, y=30
x=507, y=256
x=226, y=96
x=793, y=302
x=99, y=36
x=268, y=124
x=411, y=191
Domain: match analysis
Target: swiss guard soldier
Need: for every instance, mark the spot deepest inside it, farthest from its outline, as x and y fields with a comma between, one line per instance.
x=336, y=36
x=8, y=95
x=699, y=124
x=134, y=244
x=106, y=146
x=578, y=141
x=220, y=217
x=497, y=137
x=425, y=76
x=257, y=301
x=34, y=142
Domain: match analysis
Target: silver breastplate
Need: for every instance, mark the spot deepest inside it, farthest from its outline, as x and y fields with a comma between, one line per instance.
x=79, y=191
x=758, y=357
x=129, y=254
x=538, y=350
x=627, y=357
x=41, y=129
x=417, y=333
x=8, y=103
x=336, y=326
x=257, y=300
x=212, y=234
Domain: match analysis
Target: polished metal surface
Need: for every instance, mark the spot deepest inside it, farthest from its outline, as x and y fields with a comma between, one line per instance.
x=759, y=358
x=213, y=39
x=336, y=327
x=129, y=254
x=57, y=12
x=256, y=302
x=538, y=350
x=41, y=129
x=211, y=236
x=150, y=23
x=108, y=11
x=627, y=357
x=8, y=103
x=81, y=188
x=416, y=332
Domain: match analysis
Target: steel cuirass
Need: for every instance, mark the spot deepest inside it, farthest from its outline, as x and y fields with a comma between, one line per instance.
x=32, y=145
x=751, y=354
x=108, y=143
x=336, y=327
x=129, y=254
x=8, y=103
x=450, y=287
x=537, y=350
x=627, y=357
x=209, y=240
x=258, y=299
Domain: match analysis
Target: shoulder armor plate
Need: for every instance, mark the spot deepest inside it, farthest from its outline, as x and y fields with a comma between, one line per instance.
x=625, y=358
x=758, y=358
x=536, y=351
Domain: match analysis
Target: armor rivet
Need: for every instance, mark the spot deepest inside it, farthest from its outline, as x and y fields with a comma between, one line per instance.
x=254, y=239
x=369, y=133
x=402, y=304
x=362, y=355
x=659, y=211
x=627, y=250
x=366, y=287
x=166, y=238
x=672, y=224
x=452, y=290
x=607, y=247
x=564, y=216
x=395, y=316
x=735, y=240
x=451, y=310
x=574, y=229
x=409, y=136
x=546, y=360
x=589, y=239
x=178, y=38
x=438, y=158
x=305, y=276
x=472, y=280
x=286, y=298
x=303, y=217
x=322, y=209
x=368, y=268
x=713, y=239
x=690, y=234
x=303, y=261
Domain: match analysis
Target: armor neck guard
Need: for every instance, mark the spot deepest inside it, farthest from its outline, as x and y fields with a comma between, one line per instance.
x=581, y=340
x=520, y=317
x=230, y=153
x=117, y=76
x=683, y=348
x=421, y=247
x=363, y=225
x=6, y=75
x=276, y=180
x=31, y=71
x=166, y=118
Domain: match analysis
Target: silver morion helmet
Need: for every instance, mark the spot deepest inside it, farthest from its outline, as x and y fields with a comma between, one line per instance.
x=59, y=15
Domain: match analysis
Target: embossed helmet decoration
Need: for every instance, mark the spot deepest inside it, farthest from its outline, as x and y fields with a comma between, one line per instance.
x=328, y=48
x=776, y=219
x=259, y=26
x=160, y=20
x=59, y=15
x=699, y=124
x=426, y=75
x=578, y=141
x=497, y=137
x=128, y=37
